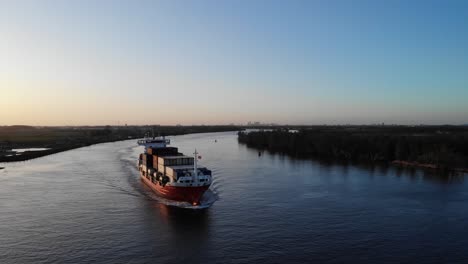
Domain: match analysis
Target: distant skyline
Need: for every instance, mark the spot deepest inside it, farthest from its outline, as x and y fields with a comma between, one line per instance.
x=221, y=62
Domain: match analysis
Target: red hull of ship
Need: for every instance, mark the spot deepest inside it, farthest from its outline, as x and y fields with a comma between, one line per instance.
x=191, y=195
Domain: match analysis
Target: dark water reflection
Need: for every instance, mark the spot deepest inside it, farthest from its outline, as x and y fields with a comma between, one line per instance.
x=440, y=176
x=88, y=206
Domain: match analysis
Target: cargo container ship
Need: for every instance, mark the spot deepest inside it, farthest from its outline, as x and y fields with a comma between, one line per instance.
x=171, y=174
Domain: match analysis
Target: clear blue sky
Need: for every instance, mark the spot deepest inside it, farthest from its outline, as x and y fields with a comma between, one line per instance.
x=217, y=62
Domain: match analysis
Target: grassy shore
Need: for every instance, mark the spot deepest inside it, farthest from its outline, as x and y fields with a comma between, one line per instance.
x=433, y=147
x=57, y=139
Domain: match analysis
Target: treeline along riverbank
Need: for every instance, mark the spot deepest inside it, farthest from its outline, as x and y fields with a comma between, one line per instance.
x=57, y=139
x=439, y=147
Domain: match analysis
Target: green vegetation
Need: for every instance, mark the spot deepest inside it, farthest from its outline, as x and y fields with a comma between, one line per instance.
x=443, y=147
x=59, y=139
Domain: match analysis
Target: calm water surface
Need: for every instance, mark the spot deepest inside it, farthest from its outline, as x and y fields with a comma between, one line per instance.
x=88, y=205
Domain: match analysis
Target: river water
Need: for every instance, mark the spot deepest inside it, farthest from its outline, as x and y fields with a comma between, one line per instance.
x=88, y=205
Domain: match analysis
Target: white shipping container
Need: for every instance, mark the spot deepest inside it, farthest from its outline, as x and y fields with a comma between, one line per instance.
x=170, y=172
x=160, y=161
x=161, y=168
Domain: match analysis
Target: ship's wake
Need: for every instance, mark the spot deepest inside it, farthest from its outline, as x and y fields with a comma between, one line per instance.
x=207, y=200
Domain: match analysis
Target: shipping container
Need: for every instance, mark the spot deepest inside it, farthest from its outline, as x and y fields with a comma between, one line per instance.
x=148, y=160
x=171, y=172
x=190, y=161
x=146, y=156
x=167, y=151
x=175, y=160
x=160, y=161
x=155, y=161
x=166, y=161
x=156, y=151
x=161, y=168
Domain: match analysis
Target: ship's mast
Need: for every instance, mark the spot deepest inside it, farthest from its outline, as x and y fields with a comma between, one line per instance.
x=195, y=169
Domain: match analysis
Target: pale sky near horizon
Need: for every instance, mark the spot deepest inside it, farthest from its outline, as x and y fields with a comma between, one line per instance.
x=221, y=62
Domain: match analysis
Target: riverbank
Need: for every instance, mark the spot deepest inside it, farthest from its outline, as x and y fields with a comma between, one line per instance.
x=430, y=147
x=59, y=139
x=27, y=155
x=403, y=163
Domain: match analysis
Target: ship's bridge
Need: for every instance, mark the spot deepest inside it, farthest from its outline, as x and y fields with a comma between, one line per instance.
x=154, y=142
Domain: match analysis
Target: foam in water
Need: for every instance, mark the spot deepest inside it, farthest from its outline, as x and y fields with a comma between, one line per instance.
x=207, y=201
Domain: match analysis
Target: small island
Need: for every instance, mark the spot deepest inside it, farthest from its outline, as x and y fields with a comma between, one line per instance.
x=433, y=147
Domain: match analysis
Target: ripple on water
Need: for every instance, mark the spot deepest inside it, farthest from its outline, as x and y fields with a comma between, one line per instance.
x=89, y=205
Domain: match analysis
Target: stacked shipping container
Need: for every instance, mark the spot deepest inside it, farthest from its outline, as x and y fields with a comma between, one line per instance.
x=176, y=160
x=164, y=159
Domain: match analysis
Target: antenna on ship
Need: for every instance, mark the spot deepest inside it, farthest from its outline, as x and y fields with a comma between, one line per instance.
x=195, y=169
